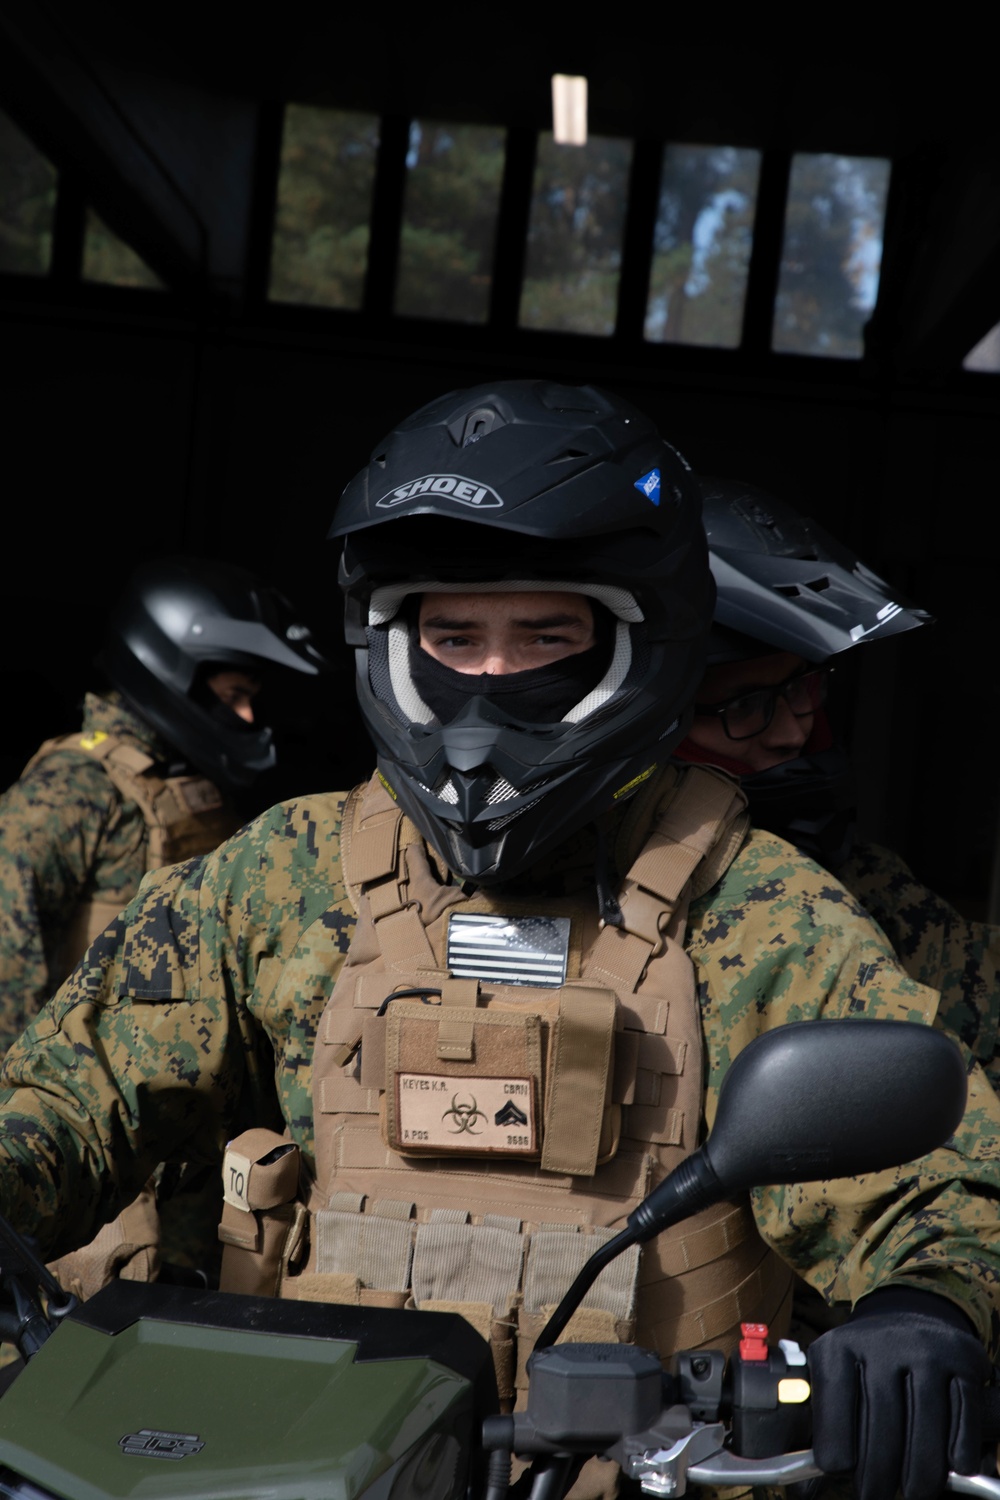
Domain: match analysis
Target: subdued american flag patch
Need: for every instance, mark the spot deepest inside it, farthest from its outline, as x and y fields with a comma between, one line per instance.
x=508, y=950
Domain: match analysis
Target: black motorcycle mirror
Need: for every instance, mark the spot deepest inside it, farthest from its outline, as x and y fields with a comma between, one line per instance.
x=805, y=1102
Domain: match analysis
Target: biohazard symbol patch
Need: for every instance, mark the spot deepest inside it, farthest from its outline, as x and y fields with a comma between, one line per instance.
x=442, y=1114
x=465, y=1113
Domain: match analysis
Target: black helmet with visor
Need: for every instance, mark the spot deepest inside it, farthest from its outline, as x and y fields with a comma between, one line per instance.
x=785, y=582
x=785, y=585
x=518, y=486
x=180, y=620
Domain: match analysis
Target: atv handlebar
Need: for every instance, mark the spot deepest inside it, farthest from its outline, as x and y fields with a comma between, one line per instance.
x=705, y=1422
x=660, y=1473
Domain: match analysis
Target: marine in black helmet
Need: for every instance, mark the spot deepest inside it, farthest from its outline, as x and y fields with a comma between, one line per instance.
x=146, y=781
x=148, y=777
x=791, y=603
x=475, y=1008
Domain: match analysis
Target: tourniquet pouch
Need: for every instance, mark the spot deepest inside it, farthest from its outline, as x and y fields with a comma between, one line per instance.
x=262, y=1226
x=525, y=1076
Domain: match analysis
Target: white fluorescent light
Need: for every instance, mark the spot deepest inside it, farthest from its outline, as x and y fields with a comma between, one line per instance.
x=569, y=109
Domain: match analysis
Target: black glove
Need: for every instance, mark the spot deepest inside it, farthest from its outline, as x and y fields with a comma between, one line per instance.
x=898, y=1395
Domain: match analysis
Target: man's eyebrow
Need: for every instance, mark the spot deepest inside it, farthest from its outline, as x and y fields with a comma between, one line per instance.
x=545, y=622
x=536, y=622
x=446, y=622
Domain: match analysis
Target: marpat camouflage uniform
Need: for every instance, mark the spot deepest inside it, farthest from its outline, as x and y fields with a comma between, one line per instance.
x=65, y=834
x=936, y=945
x=68, y=835
x=167, y=1042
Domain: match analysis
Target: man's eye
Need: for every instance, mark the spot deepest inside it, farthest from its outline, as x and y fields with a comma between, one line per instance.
x=747, y=708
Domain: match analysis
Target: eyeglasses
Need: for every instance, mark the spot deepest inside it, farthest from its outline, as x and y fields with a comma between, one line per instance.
x=750, y=713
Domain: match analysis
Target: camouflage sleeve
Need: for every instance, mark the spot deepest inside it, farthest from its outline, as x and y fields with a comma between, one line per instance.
x=813, y=954
x=52, y=823
x=936, y=945
x=154, y=1048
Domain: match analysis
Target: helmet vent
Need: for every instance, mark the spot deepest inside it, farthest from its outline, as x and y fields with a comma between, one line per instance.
x=496, y=824
x=478, y=424
x=445, y=790
x=799, y=590
x=500, y=791
x=569, y=453
x=380, y=460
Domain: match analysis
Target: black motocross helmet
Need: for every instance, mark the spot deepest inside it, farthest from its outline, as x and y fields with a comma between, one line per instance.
x=784, y=584
x=784, y=581
x=181, y=618
x=525, y=485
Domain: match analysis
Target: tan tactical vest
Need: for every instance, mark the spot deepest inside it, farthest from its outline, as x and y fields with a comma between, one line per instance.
x=476, y=1141
x=184, y=815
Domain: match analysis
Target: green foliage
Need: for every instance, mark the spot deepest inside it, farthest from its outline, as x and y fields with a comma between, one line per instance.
x=449, y=221
x=575, y=236
x=703, y=236
x=320, y=247
x=108, y=259
x=27, y=203
x=831, y=254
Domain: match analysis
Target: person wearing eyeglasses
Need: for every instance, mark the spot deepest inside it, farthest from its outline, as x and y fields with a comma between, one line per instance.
x=791, y=601
x=760, y=712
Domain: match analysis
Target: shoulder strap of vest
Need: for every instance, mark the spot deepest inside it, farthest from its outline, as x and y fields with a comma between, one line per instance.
x=688, y=828
x=99, y=746
x=373, y=830
x=687, y=825
x=732, y=830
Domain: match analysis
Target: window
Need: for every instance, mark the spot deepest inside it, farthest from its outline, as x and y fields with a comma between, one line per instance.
x=320, y=247
x=985, y=355
x=575, y=236
x=27, y=203
x=452, y=198
x=831, y=255
x=701, y=245
x=108, y=259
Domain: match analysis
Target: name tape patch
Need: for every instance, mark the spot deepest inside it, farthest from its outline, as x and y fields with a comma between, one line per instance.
x=454, y=486
x=436, y=1112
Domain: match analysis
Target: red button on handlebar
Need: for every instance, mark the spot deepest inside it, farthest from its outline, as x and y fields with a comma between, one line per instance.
x=753, y=1344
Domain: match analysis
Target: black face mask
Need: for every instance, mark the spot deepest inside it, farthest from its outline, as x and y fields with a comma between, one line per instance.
x=542, y=695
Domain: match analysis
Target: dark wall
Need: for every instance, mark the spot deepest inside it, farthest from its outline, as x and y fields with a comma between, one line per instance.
x=131, y=430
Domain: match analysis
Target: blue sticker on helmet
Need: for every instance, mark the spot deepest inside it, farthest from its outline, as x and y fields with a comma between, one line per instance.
x=649, y=484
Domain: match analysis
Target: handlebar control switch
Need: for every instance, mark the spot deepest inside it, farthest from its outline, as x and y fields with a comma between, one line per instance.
x=700, y=1376
x=770, y=1399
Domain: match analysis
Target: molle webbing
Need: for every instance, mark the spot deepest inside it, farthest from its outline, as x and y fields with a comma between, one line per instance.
x=184, y=816
x=493, y=1236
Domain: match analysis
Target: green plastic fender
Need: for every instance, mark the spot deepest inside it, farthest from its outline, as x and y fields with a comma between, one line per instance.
x=163, y=1408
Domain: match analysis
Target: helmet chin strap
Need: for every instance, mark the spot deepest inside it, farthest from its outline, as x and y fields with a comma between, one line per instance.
x=607, y=902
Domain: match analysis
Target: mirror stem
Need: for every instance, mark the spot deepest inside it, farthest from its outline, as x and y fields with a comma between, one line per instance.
x=690, y=1187
x=581, y=1286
